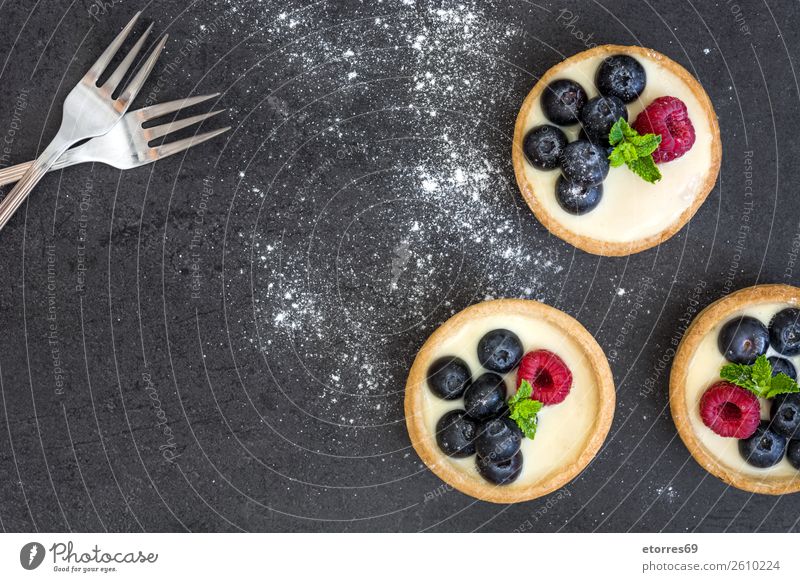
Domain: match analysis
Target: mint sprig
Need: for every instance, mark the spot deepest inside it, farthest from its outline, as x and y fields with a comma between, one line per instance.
x=524, y=409
x=758, y=378
x=634, y=150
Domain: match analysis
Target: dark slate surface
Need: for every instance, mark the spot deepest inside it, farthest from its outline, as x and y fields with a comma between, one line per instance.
x=220, y=341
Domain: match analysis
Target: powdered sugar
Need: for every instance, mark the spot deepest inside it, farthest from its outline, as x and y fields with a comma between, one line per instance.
x=405, y=211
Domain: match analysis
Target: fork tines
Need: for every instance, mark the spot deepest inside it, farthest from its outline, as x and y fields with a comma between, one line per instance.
x=112, y=84
x=159, y=131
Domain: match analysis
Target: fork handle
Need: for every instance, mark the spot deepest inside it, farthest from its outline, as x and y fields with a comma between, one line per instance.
x=14, y=173
x=31, y=177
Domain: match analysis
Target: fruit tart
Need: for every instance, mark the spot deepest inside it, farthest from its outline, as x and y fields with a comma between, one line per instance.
x=509, y=400
x=616, y=148
x=733, y=389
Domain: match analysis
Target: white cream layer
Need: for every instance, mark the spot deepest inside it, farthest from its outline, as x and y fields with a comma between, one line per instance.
x=563, y=429
x=631, y=209
x=703, y=372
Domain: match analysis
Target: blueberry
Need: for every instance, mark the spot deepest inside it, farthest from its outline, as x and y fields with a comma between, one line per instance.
x=785, y=415
x=784, y=332
x=764, y=449
x=543, y=146
x=621, y=76
x=455, y=434
x=562, y=100
x=500, y=351
x=743, y=339
x=577, y=198
x=500, y=472
x=584, y=162
x=448, y=377
x=498, y=439
x=782, y=366
x=793, y=454
x=599, y=114
x=504, y=412
x=604, y=144
x=486, y=397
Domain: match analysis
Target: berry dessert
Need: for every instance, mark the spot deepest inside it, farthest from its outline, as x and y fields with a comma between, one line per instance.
x=616, y=148
x=509, y=400
x=733, y=389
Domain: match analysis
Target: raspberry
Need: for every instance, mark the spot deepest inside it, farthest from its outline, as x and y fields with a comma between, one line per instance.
x=667, y=117
x=549, y=376
x=730, y=410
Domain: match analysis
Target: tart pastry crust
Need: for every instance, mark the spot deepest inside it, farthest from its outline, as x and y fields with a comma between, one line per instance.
x=592, y=245
x=424, y=441
x=704, y=323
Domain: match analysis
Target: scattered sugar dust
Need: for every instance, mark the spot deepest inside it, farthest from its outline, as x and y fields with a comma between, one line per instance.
x=402, y=209
x=668, y=492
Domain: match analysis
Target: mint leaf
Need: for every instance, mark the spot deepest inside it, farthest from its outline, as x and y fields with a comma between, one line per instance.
x=523, y=393
x=627, y=130
x=622, y=154
x=738, y=374
x=758, y=379
x=782, y=384
x=646, y=144
x=645, y=168
x=525, y=417
x=628, y=151
x=523, y=410
x=615, y=136
x=762, y=372
x=617, y=158
x=634, y=150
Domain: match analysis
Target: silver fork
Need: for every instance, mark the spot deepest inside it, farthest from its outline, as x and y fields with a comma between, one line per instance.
x=89, y=111
x=127, y=144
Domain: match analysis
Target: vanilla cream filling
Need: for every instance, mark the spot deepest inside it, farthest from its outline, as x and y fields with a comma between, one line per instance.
x=564, y=428
x=631, y=209
x=703, y=371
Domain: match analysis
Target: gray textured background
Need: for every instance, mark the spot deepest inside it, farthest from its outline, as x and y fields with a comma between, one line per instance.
x=232, y=337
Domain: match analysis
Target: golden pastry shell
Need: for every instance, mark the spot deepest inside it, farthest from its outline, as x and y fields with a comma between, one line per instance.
x=703, y=324
x=589, y=244
x=424, y=441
